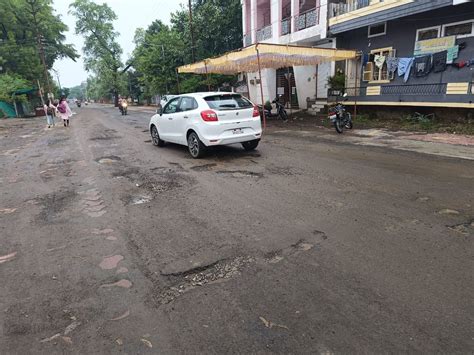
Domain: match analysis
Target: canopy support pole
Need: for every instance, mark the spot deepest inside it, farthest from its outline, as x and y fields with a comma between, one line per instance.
x=261, y=88
x=207, y=77
x=177, y=81
x=356, y=80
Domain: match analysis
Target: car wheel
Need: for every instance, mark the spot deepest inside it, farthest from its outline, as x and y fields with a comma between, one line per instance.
x=156, y=137
x=250, y=145
x=196, y=148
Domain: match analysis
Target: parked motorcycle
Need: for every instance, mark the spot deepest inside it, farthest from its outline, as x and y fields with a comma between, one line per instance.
x=340, y=117
x=123, y=107
x=276, y=109
x=78, y=103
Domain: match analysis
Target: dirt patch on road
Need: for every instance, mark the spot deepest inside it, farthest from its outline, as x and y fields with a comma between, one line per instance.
x=53, y=205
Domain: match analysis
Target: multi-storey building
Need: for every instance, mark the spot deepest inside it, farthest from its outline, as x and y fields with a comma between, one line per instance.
x=434, y=37
x=295, y=22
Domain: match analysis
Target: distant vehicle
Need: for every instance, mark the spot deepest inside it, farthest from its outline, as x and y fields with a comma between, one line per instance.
x=123, y=107
x=201, y=120
x=165, y=99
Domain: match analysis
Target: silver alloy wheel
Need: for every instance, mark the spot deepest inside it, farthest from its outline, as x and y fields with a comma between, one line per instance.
x=193, y=145
x=155, y=136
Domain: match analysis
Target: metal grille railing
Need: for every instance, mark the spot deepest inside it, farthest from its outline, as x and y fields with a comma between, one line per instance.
x=350, y=5
x=307, y=19
x=264, y=33
x=417, y=89
x=395, y=90
x=285, y=26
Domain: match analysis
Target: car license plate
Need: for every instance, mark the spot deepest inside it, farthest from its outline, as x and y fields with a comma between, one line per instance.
x=237, y=131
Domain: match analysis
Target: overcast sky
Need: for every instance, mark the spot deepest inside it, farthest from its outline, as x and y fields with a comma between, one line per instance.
x=131, y=15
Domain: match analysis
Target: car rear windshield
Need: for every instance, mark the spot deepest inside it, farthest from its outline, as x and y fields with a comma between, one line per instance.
x=228, y=102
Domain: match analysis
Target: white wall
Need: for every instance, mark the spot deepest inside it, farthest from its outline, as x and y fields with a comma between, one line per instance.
x=269, y=86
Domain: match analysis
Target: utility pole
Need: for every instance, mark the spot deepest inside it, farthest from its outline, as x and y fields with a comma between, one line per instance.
x=192, y=31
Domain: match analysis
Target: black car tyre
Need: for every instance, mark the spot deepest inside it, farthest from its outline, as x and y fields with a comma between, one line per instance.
x=250, y=145
x=196, y=148
x=155, y=137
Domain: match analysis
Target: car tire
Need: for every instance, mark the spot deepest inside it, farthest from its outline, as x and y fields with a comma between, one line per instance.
x=250, y=145
x=155, y=137
x=196, y=148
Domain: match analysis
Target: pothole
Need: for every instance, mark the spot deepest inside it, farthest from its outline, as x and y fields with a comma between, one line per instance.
x=465, y=229
x=218, y=271
x=108, y=159
x=138, y=200
x=240, y=173
x=205, y=167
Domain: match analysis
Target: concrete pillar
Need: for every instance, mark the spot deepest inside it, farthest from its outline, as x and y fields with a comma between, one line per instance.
x=244, y=21
x=295, y=10
x=275, y=7
x=253, y=20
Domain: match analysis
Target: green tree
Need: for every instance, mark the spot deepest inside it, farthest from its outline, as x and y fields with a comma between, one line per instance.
x=25, y=27
x=161, y=49
x=101, y=51
x=9, y=84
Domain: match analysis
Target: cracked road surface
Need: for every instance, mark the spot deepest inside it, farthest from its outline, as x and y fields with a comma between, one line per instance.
x=307, y=245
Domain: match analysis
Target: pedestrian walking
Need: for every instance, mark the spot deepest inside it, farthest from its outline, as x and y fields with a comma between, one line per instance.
x=64, y=111
x=49, y=111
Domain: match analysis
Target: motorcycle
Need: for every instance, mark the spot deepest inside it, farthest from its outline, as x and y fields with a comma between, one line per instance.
x=276, y=109
x=340, y=117
x=123, y=107
x=78, y=103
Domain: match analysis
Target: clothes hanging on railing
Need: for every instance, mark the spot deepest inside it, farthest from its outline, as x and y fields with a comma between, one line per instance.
x=439, y=61
x=392, y=64
x=422, y=65
x=379, y=60
x=404, y=67
x=453, y=53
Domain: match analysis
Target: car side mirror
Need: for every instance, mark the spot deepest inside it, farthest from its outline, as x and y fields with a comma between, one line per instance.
x=159, y=111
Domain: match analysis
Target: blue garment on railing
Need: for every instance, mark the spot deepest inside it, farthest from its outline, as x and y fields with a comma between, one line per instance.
x=392, y=64
x=404, y=67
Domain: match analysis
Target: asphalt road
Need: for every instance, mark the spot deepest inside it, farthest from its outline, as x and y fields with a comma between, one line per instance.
x=307, y=245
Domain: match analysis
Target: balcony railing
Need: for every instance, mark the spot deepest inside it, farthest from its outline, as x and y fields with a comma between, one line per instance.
x=343, y=8
x=285, y=26
x=264, y=33
x=307, y=19
x=247, y=40
x=394, y=90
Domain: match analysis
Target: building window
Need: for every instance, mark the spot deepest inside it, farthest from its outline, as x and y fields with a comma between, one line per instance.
x=377, y=30
x=459, y=29
x=428, y=33
x=374, y=73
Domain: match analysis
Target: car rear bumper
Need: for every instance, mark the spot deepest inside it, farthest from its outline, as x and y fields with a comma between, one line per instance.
x=211, y=141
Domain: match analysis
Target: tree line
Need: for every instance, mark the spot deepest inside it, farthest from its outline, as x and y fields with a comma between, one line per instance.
x=32, y=37
x=159, y=49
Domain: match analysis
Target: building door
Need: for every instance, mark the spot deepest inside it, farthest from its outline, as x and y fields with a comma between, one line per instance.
x=286, y=87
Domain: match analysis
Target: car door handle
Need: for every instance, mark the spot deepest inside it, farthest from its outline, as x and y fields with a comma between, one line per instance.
x=170, y=118
x=185, y=117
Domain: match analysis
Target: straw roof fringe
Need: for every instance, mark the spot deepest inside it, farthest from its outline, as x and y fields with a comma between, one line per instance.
x=271, y=56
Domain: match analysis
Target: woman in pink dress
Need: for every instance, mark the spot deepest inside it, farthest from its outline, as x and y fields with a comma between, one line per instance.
x=64, y=111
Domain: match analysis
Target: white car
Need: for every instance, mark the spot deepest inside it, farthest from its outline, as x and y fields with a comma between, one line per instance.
x=201, y=120
x=164, y=100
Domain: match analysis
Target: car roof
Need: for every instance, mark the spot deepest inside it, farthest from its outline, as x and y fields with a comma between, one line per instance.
x=209, y=93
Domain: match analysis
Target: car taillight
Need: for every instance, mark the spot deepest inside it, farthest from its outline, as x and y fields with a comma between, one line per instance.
x=256, y=112
x=209, y=116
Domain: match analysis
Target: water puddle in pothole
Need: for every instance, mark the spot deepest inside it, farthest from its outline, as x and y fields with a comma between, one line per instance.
x=111, y=159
